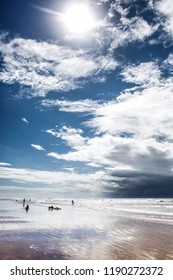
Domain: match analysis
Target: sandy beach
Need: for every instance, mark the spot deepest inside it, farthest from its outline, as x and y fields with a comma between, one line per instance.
x=93, y=229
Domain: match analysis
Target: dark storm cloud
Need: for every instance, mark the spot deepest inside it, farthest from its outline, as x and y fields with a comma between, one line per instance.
x=138, y=184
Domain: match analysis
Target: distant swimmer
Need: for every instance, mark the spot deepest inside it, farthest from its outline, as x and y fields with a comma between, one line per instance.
x=27, y=208
x=72, y=202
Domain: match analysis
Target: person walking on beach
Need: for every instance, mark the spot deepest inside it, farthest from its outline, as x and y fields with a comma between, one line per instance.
x=24, y=202
x=27, y=208
x=72, y=202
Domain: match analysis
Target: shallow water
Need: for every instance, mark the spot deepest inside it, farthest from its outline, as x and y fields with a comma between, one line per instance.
x=91, y=229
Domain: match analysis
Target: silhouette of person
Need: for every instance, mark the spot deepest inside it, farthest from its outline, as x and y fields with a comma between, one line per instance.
x=72, y=202
x=24, y=202
x=27, y=208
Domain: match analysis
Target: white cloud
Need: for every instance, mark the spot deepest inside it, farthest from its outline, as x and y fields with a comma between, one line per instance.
x=61, y=181
x=168, y=63
x=71, y=136
x=96, y=150
x=165, y=7
x=141, y=74
x=70, y=169
x=5, y=164
x=84, y=149
x=128, y=29
x=133, y=132
x=139, y=28
x=37, y=147
x=24, y=120
x=169, y=60
x=142, y=113
x=79, y=106
x=42, y=67
x=93, y=164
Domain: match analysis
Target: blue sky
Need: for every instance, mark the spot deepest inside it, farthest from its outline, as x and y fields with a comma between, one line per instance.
x=86, y=104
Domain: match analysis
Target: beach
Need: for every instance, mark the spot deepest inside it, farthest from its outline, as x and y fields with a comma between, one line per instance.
x=95, y=229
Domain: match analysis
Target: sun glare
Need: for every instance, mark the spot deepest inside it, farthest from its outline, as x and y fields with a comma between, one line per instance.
x=78, y=19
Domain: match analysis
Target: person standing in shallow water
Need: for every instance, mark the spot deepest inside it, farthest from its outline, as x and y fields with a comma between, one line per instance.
x=24, y=202
x=72, y=202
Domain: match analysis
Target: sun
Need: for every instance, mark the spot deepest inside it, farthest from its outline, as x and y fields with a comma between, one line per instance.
x=78, y=19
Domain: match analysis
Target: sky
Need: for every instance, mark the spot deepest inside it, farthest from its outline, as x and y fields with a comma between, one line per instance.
x=86, y=98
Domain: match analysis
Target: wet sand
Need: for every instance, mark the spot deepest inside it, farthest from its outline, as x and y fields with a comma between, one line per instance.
x=23, y=250
x=81, y=233
x=145, y=245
